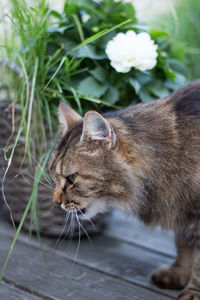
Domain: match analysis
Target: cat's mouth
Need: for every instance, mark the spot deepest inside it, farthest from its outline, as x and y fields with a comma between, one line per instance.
x=88, y=212
x=80, y=212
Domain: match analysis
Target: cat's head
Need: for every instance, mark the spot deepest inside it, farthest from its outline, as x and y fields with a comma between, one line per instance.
x=85, y=167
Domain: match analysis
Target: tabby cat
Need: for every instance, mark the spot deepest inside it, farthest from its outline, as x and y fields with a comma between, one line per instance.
x=144, y=160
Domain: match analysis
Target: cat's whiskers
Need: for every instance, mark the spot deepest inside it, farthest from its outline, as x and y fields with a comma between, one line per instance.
x=69, y=233
x=63, y=229
x=86, y=233
x=73, y=224
x=40, y=181
x=69, y=221
x=87, y=219
x=79, y=238
x=44, y=173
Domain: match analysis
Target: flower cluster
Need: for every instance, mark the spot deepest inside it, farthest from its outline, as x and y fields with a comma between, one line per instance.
x=127, y=50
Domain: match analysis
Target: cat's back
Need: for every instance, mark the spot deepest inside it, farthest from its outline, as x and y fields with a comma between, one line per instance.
x=186, y=101
x=168, y=128
x=186, y=104
x=180, y=110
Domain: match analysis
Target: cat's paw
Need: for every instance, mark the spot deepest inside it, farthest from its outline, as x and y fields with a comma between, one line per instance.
x=189, y=295
x=170, y=278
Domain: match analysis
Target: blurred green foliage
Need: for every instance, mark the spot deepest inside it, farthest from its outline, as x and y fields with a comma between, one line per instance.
x=182, y=23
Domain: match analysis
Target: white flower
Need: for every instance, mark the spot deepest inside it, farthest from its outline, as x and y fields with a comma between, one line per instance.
x=127, y=50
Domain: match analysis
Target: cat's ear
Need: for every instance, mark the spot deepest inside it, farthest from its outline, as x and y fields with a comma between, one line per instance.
x=67, y=116
x=95, y=127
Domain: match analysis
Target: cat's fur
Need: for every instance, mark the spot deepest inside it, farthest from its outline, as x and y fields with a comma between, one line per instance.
x=145, y=160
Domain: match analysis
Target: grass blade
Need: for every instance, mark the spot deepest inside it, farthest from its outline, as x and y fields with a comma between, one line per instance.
x=77, y=100
x=31, y=102
x=98, y=35
x=52, y=77
x=99, y=101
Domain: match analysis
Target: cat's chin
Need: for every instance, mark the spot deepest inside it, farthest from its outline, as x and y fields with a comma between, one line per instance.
x=93, y=209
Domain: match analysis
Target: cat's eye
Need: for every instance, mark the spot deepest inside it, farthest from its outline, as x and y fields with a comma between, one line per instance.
x=70, y=179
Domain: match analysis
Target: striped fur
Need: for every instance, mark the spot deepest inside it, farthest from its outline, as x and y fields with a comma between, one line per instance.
x=145, y=160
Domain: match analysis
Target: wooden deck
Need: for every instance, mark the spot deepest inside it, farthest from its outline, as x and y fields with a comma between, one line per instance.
x=115, y=266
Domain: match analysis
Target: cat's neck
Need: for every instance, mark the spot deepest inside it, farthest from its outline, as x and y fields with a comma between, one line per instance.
x=148, y=155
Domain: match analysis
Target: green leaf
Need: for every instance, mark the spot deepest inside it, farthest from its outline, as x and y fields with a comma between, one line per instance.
x=170, y=84
x=143, y=78
x=136, y=27
x=169, y=73
x=58, y=29
x=98, y=73
x=67, y=43
x=180, y=80
x=135, y=84
x=92, y=10
x=112, y=95
x=179, y=50
x=178, y=66
x=88, y=51
x=34, y=10
x=145, y=96
x=56, y=14
x=89, y=86
x=155, y=33
x=158, y=89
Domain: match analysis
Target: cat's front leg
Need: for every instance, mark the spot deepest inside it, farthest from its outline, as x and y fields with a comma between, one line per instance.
x=177, y=275
x=192, y=290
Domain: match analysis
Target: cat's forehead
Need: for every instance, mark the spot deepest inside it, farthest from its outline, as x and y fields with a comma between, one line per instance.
x=66, y=147
x=70, y=138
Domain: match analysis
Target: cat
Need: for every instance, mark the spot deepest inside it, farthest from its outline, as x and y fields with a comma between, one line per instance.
x=145, y=160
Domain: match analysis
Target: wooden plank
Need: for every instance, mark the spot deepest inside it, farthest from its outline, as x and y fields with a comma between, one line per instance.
x=116, y=258
x=113, y=257
x=60, y=279
x=128, y=228
x=10, y=292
